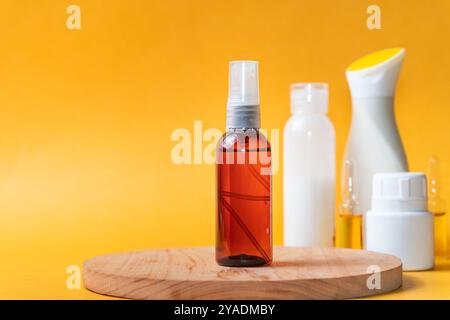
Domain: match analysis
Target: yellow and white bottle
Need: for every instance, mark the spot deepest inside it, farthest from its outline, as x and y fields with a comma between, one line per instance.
x=374, y=143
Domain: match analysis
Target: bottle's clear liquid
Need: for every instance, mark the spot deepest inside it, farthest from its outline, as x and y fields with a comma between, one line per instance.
x=244, y=217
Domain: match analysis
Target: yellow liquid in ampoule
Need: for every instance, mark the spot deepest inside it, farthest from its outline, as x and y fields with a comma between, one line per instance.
x=440, y=235
x=350, y=231
x=436, y=205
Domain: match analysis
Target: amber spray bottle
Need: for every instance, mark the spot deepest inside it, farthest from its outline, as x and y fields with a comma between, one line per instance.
x=244, y=186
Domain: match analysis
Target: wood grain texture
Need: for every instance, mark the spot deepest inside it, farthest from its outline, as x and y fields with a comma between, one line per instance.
x=192, y=273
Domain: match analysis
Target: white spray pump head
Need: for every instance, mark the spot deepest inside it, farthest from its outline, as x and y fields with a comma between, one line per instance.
x=243, y=95
x=376, y=74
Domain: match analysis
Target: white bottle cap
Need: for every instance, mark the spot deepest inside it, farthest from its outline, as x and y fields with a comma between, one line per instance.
x=398, y=223
x=243, y=95
x=309, y=98
x=403, y=191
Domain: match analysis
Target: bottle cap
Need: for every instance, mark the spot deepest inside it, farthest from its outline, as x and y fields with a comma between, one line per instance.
x=403, y=191
x=376, y=74
x=309, y=98
x=398, y=223
x=243, y=95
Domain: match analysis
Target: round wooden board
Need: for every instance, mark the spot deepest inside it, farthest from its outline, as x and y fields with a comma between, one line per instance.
x=192, y=273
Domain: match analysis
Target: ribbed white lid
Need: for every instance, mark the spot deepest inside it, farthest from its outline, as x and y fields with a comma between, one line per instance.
x=402, y=191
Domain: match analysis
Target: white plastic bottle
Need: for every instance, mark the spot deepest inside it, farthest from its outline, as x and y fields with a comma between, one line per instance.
x=399, y=222
x=374, y=144
x=309, y=168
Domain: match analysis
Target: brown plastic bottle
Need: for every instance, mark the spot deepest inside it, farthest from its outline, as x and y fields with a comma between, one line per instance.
x=244, y=197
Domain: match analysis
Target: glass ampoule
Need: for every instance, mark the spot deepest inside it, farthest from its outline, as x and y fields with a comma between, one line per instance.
x=244, y=187
x=436, y=205
x=350, y=219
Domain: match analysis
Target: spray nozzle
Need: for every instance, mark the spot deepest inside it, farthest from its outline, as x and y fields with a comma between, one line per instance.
x=243, y=95
x=243, y=84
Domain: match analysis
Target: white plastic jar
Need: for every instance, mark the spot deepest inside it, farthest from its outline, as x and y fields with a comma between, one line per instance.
x=398, y=222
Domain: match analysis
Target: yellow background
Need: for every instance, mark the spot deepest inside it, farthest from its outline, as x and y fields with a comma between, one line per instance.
x=86, y=115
